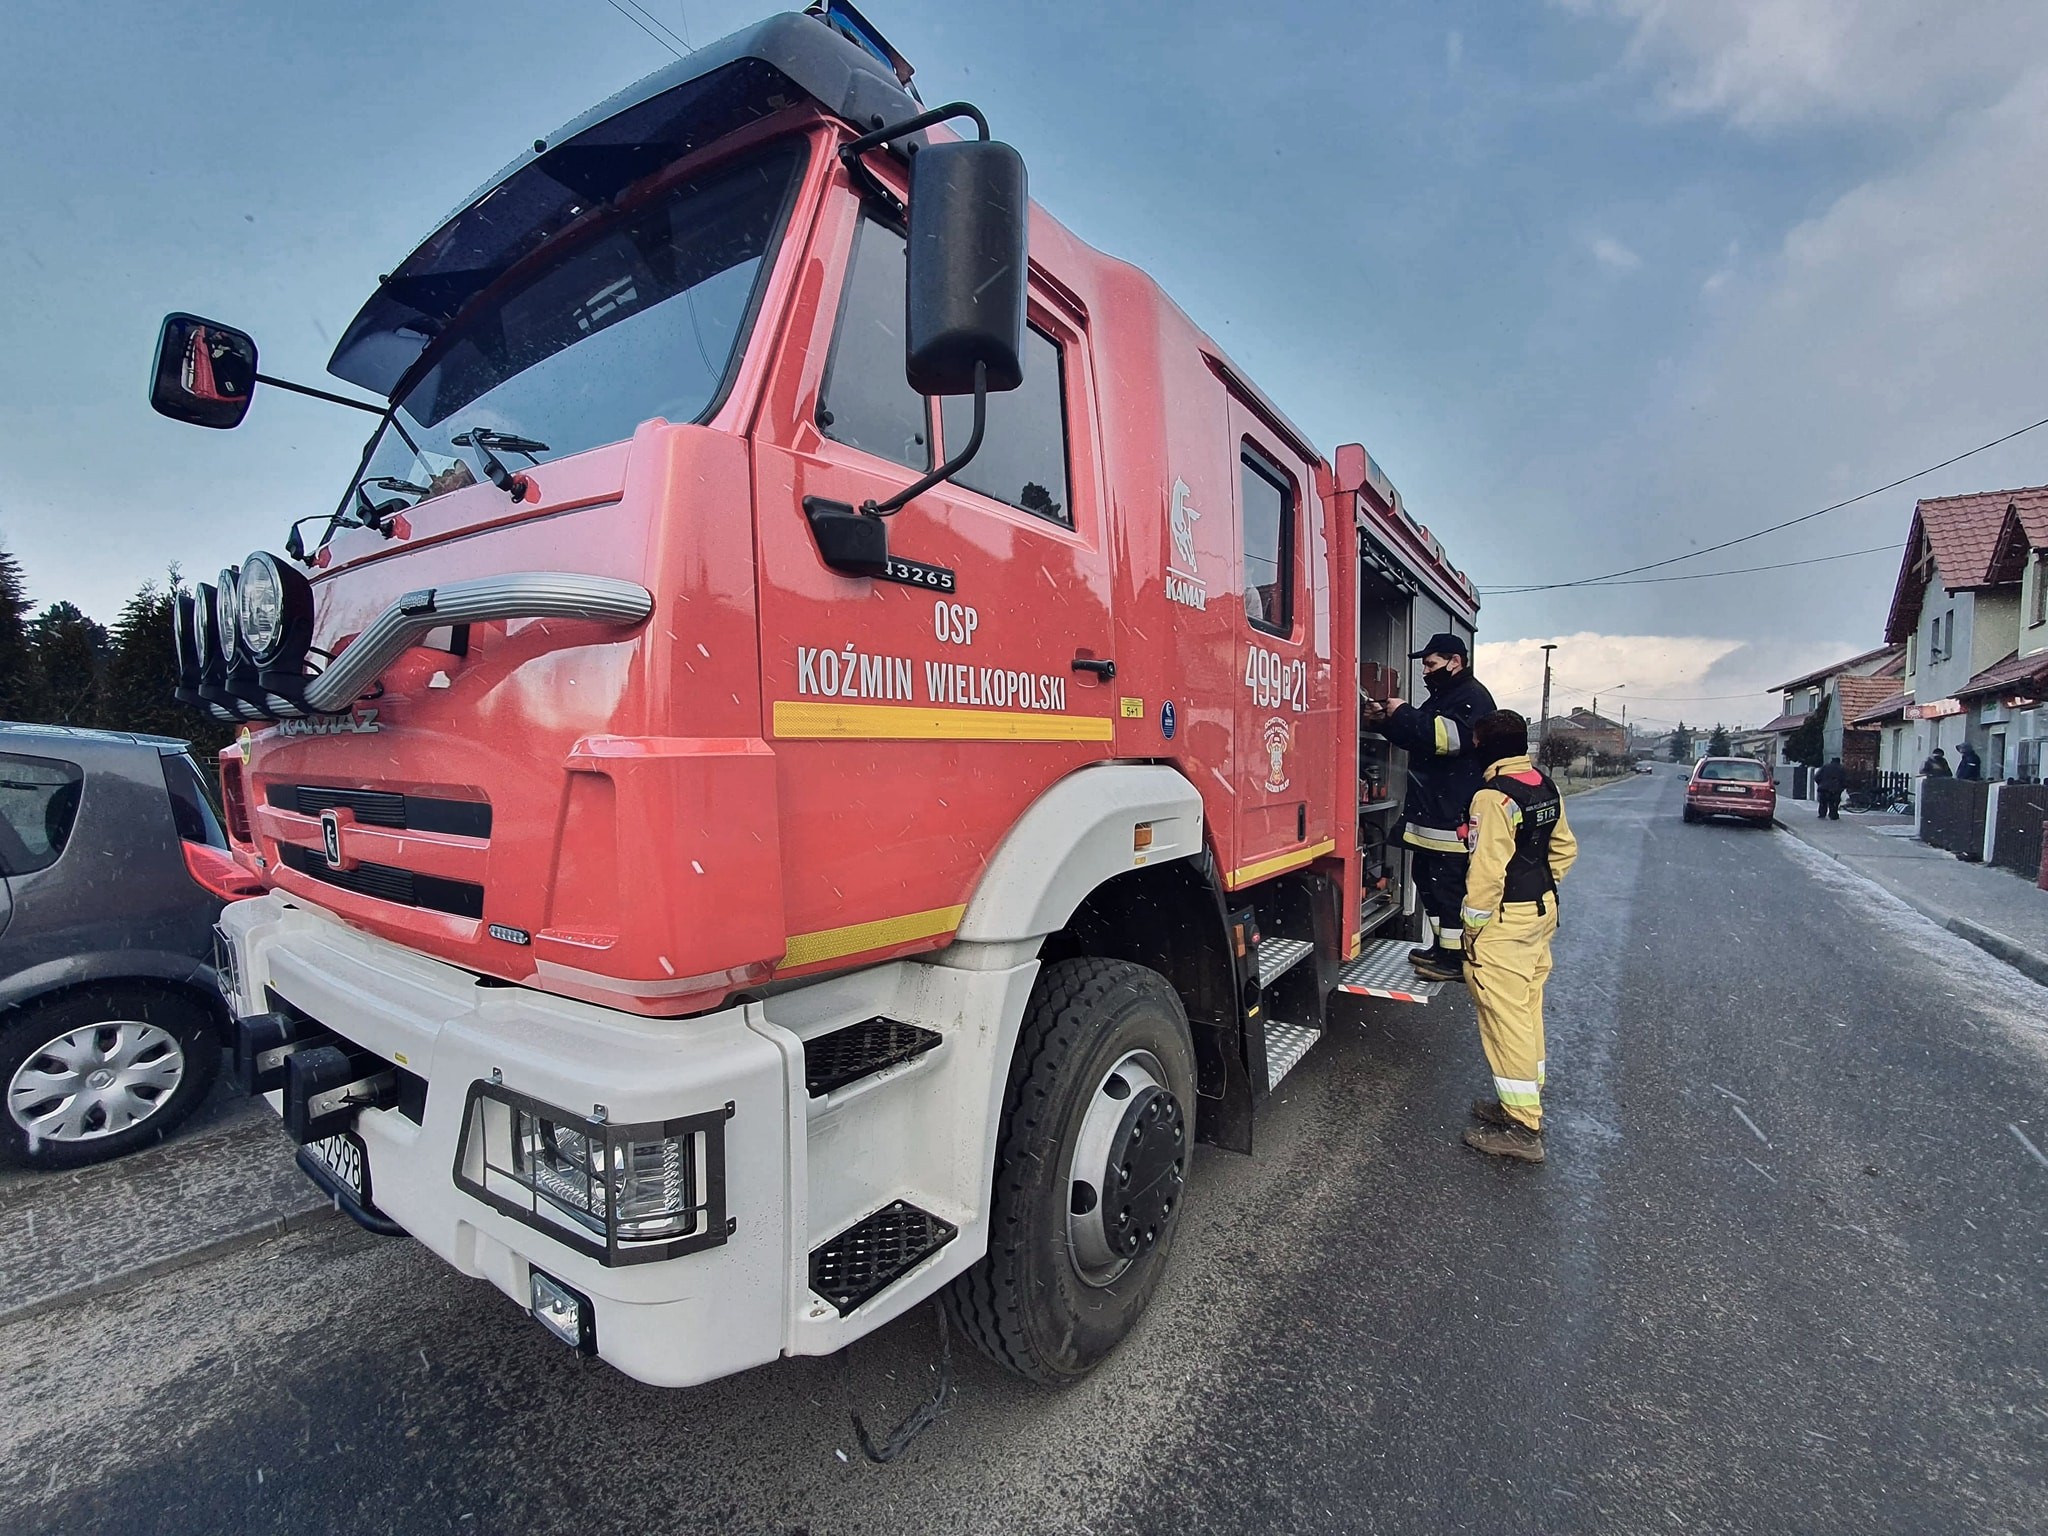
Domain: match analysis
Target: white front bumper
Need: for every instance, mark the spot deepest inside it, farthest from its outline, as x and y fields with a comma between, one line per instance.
x=675, y=1322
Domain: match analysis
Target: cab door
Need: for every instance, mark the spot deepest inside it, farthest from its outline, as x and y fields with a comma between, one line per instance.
x=1285, y=804
x=914, y=718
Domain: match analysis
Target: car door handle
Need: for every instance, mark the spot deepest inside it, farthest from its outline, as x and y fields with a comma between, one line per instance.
x=1103, y=667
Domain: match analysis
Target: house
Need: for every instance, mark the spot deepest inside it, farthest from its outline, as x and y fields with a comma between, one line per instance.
x=1847, y=689
x=1760, y=744
x=1591, y=734
x=1956, y=610
x=2004, y=699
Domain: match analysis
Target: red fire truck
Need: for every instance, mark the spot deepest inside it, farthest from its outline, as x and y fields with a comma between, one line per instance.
x=819, y=752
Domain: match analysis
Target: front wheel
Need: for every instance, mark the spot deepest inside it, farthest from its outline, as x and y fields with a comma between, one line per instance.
x=1090, y=1167
x=99, y=1072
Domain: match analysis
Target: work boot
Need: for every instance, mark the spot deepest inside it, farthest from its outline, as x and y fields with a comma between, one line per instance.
x=1421, y=953
x=1490, y=1112
x=1442, y=964
x=1513, y=1140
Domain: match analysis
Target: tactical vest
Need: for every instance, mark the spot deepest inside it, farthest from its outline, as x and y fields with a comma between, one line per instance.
x=1528, y=874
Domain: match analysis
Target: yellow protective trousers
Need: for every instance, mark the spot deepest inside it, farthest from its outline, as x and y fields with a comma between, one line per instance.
x=1509, y=960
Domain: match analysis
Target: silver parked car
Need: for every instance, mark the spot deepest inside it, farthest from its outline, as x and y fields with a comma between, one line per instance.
x=113, y=868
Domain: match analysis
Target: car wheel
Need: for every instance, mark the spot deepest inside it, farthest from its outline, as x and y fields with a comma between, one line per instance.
x=1691, y=815
x=1101, y=1093
x=99, y=1072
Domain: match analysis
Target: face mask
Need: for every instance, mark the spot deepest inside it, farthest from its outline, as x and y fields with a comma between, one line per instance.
x=1439, y=680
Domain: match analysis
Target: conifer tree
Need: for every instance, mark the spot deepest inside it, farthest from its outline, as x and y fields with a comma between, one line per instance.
x=71, y=654
x=20, y=677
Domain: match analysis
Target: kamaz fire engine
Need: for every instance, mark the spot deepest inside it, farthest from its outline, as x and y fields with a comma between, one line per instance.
x=819, y=752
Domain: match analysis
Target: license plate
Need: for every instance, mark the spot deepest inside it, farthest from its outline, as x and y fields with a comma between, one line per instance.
x=342, y=1155
x=1729, y=789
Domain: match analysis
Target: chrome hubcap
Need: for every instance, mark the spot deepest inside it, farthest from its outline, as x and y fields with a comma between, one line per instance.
x=1129, y=1162
x=95, y=1081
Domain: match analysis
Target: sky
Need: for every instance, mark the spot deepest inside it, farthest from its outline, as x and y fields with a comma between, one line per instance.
x=1598, y=282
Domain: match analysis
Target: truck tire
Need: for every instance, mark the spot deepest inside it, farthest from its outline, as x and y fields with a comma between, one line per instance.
x=100, y=1071
x=1101, y=1092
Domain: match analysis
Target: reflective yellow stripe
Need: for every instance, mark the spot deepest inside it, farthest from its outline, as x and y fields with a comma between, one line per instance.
x=1284, y=861
x=796, y=720
x=856, y=938
x=1434, y=840
x=1449, y=739
x=1517, y=1093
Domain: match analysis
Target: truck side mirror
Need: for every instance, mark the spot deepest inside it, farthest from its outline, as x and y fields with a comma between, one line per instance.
x=969, y=209
x=205, y=372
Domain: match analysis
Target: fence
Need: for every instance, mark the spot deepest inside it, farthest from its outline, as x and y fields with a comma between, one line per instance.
x=2022, y=810
x=1952, y=815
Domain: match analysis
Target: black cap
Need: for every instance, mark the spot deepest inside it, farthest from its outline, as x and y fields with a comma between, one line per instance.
x=1442, y=645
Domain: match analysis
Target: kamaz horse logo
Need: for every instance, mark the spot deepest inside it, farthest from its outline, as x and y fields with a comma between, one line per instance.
x=1183, y=585
x=330, y=838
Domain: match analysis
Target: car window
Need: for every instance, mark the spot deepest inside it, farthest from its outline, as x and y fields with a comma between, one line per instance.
x=867, y=402
x=1733, y=772
x=39, y=799
x=1023, y=455
x=1268, y=545
x=191, y=806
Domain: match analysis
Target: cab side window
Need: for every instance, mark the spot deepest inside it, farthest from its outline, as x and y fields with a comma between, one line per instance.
x=38, y=805
x=1023, y=457
x=866, y=402
x=1267, y=504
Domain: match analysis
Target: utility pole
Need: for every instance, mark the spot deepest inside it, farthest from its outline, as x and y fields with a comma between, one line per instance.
x=1543, y=719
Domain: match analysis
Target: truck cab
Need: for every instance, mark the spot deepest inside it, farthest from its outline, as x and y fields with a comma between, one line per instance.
x=734, y=819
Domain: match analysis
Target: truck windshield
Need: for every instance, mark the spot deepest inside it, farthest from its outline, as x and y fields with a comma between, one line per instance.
x=643, y=318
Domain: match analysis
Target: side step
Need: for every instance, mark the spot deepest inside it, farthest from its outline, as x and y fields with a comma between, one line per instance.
x=1382, y=970
x=1286, y=1044
x=1279, y=956
x=846, y=1055
x=875, y=1252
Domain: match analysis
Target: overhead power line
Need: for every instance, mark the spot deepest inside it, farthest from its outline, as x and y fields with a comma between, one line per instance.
x=1804, y=517
x=1747, y=570
x=634, y=18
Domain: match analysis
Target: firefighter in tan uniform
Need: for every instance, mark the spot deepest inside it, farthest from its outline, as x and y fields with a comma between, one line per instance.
x=1521, y=848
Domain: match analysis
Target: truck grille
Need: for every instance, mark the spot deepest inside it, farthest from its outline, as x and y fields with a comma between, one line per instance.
x=459, y=897
x=382, y=808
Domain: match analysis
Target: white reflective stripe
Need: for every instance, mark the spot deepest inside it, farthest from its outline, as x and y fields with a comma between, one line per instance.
x=1475, y=918
x=1449, y=740
x=1539, y=1071
x=1516, y=1091
x=1435, y=839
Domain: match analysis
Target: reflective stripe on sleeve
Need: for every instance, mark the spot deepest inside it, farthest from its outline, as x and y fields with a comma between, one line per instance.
x=1436, y=839
x=1449, y=739
x=1474, y=918
x=1517, y=1093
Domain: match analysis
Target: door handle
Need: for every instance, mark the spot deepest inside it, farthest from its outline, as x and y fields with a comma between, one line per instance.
x=1102, y=668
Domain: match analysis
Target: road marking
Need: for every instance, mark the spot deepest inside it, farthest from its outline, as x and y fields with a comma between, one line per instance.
x=1738, y=1098
x=2031, y=1148
x=1759, y=1167
x=1760, y=1136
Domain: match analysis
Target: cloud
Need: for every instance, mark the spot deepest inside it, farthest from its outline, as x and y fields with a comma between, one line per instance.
x=1764, y=64
x=1657, y=679
x=1611, y=253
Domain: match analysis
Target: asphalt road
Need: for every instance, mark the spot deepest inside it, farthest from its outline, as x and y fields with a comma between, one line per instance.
x=1786, y=1270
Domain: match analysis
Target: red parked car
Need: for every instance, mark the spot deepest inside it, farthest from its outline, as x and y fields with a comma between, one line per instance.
x=1731, y=786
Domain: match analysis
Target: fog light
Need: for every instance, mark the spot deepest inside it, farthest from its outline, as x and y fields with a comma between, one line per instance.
x=563, y=1312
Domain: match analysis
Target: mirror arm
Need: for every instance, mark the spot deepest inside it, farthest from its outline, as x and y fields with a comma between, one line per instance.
x=871, y=184
x=321, y=394
x=952, y=466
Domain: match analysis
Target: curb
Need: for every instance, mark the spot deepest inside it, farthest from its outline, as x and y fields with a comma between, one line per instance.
x=2034, y=967
x=220, y=1247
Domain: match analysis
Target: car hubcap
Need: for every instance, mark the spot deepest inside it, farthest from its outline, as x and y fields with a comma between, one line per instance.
x=1129, y=1163
x=95, y=1081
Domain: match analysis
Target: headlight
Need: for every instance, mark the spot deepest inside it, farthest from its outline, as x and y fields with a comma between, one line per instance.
x=206, y=631
x=227, y=613
x=276, y=611
x=624, y=1194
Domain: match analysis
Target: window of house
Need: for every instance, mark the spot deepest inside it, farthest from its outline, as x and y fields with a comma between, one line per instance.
x=1023, y=457
x=1268, y=507
x=866, y=402
x=2037, y=610
x=1912, y=653
x=38, y=807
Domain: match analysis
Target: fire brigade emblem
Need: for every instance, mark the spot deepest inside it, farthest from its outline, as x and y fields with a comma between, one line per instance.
x=1277, y=737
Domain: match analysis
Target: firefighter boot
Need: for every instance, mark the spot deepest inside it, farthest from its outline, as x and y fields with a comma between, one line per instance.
x=1440, y=964
x=1490, y=1112
x=1510, y=1140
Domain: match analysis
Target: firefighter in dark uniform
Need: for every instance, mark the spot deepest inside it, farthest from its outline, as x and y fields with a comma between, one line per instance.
x=1521, y=848
x=1444, y=770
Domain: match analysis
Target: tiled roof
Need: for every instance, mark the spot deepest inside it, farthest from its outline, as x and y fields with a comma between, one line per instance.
x=1862, y=693
x=2019, y=673
x=1809, y=678
x=1891, y=706
x=1962, y=533
x=1782, y=723
x=2032, y=507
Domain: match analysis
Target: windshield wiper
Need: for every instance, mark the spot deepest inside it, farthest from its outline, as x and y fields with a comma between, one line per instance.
x=483, y=440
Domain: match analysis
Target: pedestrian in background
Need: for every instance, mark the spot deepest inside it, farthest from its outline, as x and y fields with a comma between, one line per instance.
x=1968, y=765
x=1828, y=785
x=1522, y=847
x=1444, y=768
x=1936, y=766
